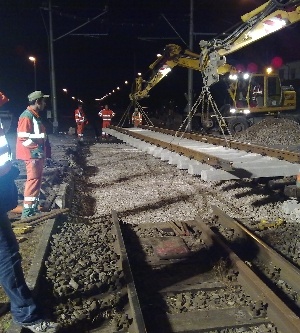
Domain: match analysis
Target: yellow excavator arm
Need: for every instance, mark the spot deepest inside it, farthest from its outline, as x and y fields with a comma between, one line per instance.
x=268, y=18
x=173, y=55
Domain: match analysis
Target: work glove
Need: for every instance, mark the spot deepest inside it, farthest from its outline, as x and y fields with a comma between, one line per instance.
x=37, y=152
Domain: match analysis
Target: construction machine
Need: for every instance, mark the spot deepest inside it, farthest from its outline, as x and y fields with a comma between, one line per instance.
x=246, y=105
x=254, y=97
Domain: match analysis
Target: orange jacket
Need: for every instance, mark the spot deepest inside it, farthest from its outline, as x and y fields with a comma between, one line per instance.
x=79, y=116
x=31, y=136
x=106, y=114
x=137, y=117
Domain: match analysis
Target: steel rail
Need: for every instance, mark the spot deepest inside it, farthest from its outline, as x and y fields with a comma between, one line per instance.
x=285, y=319
x=288, y=156
x=190, y=153
x=137, y=316
x=288, y=272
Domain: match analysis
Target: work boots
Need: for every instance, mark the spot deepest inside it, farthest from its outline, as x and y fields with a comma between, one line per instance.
x=28, y=212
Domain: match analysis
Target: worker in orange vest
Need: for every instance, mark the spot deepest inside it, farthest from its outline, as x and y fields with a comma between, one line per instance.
x=137, y=118
x=33, y=148
x=81, y=121
x=106, y=114
x=23, y=308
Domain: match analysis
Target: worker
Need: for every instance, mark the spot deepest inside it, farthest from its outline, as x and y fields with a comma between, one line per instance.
x=33, y=148
x=257, y=94
x=106, y=114
x=81, y=121
x=137, y=118
x=170, y=118
x=22, y=306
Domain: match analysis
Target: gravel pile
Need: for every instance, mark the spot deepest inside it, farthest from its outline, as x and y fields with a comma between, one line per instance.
x=272, y=132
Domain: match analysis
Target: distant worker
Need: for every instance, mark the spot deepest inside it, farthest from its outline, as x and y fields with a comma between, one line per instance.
x=170, y=118
x=137, y=118
x=106, y=114
x=33, y=148
x=81, y=121
x=258, y=95
x=95, y=122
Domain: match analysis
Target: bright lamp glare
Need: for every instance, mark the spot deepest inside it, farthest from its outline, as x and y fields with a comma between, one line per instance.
x=269, y=70
x=165, y=70
x=233, y=77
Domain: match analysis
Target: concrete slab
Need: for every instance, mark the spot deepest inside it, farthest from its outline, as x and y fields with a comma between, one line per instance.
x=143, y=146
x=195, y=168
x=157, y=151
x=151, y=149
x=173, y=158
x=211, y=175
x=183, y=163
x=165, y=155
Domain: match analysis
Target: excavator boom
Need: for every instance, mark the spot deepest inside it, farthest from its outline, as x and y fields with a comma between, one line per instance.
x=268, y=18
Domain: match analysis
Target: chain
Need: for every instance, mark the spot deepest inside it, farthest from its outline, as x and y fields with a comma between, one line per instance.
x=144, y=114
x=126, y=113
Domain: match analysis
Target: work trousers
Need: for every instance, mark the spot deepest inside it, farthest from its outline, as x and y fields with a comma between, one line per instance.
x=137, y=122
x=80, y=128
x=22, y=305
x=34, y=168
x=105, y=124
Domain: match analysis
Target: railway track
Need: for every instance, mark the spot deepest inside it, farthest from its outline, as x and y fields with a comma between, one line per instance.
x=211, y=158
x=187, y=279
x=167, y=294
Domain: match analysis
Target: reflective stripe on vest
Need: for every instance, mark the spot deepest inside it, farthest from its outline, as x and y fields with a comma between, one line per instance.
x=5, y=155
x=36, y=135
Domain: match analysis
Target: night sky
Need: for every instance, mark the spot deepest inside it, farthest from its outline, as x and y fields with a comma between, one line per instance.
x=98, y=57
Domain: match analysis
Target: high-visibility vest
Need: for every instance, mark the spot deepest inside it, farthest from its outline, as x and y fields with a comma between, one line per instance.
x=31, y=134
x=137, y=118
x=79, y=116
x=106, y=114
x=5, y=153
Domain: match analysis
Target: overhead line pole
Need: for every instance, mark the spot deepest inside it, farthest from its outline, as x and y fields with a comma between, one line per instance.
x=52, y=69
x=53, y=84
x=190, y=71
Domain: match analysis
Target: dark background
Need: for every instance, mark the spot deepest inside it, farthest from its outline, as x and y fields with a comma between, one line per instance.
x=101, y=55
